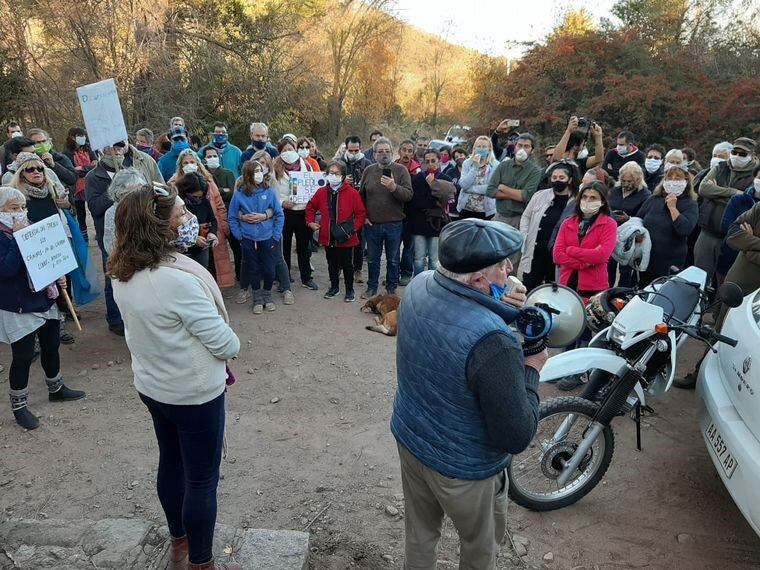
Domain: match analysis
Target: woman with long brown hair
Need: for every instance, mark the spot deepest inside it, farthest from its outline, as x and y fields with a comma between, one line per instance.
x=176, y=330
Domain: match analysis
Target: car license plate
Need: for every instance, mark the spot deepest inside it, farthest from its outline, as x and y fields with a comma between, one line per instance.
x=720, y=449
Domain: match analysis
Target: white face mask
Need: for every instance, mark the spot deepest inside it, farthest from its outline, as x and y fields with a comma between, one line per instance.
x=740, y=161
x=675, y=187
x=354, y=156
x=303, y=152
x=80, y=140
x=622, y=149
x=289, y=156
x=212, y=162
x=521, y=155
x=715, y=161
x=16, y=134
x=652, y=164
x=189, y=168
x=583, y=154
x=258, y=177
x=591, y=208
x=10, y=218
x=334, y=180
x=757, y=187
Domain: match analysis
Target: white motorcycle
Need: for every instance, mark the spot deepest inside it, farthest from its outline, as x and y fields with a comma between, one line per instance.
x=633, y=357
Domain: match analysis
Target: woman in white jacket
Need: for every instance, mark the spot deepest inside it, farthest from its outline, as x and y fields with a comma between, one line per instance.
x=176, y=330
x=541, y=216
x=476, y=172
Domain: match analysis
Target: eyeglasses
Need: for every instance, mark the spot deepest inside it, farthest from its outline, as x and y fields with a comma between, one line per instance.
x=738, y=152
x=34, y=169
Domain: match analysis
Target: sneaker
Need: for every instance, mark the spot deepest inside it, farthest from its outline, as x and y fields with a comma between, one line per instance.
x=243, y=297
x=270, y=307
x=404, y=280
x=65, y=394
x=310, y=285
x=350, y=297
x=572, y=382
x=688, y=382
x=258, y=309
x=117, y=329
x=66, y=337
x=369, y=293
x=358, y=277
x=288, y=298
x=331, y=292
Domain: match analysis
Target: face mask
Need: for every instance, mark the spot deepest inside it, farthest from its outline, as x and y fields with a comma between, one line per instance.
x=715, y=161
x=757, y=187
x=521, y=155
x=166, y=146
x=627, y=187
x=264, y=169
x=559, y=185
x=179, y=146
x=220, y=140
x=303, y=152
x=193, y=200
x=497, y=291
x=335, y=181
x=459, y=161
x=145, y=149
x=622, y=149
x=482, y=152
x=675, y=187
x=737, y=161
x=384, y=159
x=289, y=156
x=354, y=156
x=10, y=218
x=258, y=177
x=80, y=140
x=187, y=234
x=189, y=168
x=212, y=162
x=420, y=153
x=16, y=134
x=583, y=154
x=259, y=145
x=591, y=208
x=43, y=148
x=652, y=164
x=113, y=162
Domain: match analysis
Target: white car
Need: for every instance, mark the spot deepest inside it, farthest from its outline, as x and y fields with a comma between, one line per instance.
x=729, y=408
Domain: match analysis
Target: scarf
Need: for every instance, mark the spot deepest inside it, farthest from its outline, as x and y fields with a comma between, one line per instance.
x=36, y=192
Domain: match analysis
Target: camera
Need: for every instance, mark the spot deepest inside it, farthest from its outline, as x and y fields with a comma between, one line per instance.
x=584, y=123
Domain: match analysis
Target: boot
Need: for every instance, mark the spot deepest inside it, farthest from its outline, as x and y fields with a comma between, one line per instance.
x=59, y=392
x=24, y=417
x=210, y=565
x=65, y=336
x=178, y=554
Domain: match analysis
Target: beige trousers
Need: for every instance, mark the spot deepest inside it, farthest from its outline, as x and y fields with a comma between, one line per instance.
x=478, y=510
x=513, y=221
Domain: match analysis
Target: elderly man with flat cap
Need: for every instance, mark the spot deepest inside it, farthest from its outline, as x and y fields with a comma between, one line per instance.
x=467, y=398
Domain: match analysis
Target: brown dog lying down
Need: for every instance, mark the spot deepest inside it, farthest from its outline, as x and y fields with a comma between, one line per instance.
x=385, y=306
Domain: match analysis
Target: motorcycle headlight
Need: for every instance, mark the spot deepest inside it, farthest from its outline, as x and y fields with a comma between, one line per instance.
x=617, y=335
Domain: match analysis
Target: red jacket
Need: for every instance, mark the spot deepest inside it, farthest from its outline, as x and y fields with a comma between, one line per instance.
x=588, y=256
x=349, y=204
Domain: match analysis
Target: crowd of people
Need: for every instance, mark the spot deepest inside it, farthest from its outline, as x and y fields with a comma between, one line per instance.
x=170, y=214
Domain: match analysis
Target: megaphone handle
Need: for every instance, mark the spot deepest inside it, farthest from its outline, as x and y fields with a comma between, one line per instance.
x=534, y=347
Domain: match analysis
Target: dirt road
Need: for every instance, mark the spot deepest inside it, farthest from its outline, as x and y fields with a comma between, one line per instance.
x=310, y=448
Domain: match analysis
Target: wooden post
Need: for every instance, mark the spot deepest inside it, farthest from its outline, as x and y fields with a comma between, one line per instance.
x=70, y=305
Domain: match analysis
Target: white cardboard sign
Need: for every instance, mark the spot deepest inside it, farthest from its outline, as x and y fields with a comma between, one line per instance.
x=102, y=113
x=303, y=185
x=46, y=251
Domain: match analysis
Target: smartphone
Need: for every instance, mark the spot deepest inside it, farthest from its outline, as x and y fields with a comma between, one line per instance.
x=387, y=172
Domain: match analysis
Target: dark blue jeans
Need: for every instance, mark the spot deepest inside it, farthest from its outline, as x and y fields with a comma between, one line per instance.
x=190, y=451
x=259, y=261
x=407, y=257
x=379, y=236
x=113, y=315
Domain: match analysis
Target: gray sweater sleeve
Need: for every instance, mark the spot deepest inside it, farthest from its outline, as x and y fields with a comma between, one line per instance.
x=507, y=390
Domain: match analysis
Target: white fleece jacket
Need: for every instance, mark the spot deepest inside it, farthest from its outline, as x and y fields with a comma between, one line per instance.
x=178, y=341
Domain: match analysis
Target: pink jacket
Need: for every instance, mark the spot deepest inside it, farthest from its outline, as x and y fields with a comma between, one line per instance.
x=588, y=256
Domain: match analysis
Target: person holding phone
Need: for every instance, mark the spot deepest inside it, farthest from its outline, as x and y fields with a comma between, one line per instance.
x=193, y=189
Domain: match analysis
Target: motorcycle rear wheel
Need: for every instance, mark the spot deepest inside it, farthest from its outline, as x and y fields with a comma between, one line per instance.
x=533, y=473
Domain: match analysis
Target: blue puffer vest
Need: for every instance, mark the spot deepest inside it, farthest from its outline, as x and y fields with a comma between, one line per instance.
x=435, y=415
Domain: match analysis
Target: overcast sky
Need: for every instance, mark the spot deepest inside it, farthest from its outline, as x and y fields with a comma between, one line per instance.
x=488, y=25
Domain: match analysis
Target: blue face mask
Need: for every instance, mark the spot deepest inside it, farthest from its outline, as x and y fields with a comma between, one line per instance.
x=483, y=153
x=179, y=146
x=497, y=291
x=220, y=140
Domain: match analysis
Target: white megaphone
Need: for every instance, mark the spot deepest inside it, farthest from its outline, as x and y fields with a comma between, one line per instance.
x=566, y=310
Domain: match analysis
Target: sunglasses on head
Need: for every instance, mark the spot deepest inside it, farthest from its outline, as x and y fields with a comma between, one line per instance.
x=31, y=169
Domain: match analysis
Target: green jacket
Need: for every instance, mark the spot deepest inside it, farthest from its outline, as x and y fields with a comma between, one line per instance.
x=524, y=177
x=225, y=181
x=745, y=271
x=146, y=165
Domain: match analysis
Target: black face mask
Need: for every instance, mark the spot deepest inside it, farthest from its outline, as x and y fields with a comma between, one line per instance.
x=559, y=186
x=166, y=146
x=259, y=145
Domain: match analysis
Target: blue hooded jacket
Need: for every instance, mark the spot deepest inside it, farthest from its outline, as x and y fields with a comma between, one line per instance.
x=260, y=200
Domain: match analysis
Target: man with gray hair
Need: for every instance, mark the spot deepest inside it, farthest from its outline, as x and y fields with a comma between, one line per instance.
x=466, y=398
x=144, y=143
x=259, y=141
x=124, y=182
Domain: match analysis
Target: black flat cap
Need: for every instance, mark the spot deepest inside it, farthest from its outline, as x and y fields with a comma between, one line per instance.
x=470, y=245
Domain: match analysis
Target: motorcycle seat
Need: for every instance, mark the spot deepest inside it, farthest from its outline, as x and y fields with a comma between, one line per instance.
x=684, y=296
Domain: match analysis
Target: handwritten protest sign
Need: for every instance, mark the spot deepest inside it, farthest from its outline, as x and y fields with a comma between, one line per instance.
x=46, y=251
x=303, y=185
x=102, y=113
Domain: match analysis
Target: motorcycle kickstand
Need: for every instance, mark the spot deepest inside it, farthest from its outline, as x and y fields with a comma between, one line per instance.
x=637, y=421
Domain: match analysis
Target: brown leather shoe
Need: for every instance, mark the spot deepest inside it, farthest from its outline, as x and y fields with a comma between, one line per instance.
x=178, y=554
x=210, y=565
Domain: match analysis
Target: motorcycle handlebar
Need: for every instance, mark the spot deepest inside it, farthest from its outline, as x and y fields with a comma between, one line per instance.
x=709, y=335
x=720, y=338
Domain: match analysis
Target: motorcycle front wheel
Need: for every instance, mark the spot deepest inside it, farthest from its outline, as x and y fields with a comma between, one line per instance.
x=534, y=473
